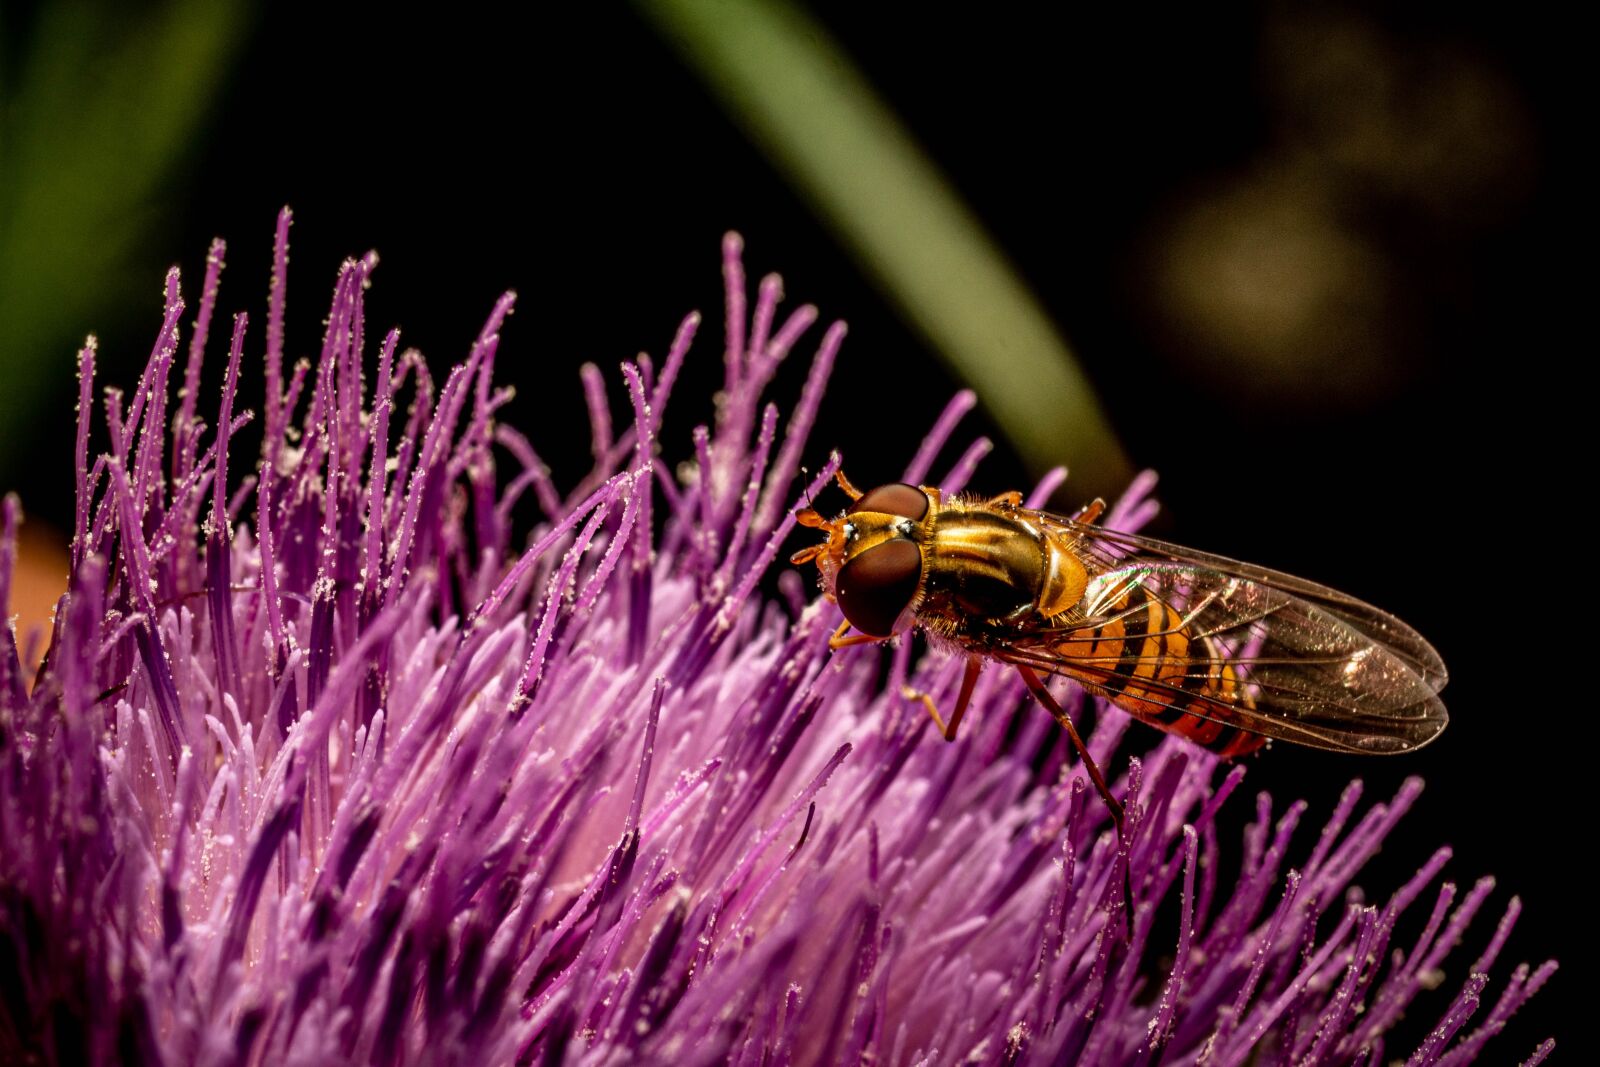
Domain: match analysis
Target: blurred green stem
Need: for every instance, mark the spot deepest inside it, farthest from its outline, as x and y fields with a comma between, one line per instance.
x=798, y=97
x=102, y=110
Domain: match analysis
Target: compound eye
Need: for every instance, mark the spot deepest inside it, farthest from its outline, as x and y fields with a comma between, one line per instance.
x=874, y=588
x=907, y=501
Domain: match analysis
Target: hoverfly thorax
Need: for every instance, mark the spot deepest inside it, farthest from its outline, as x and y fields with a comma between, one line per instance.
x=873, y=561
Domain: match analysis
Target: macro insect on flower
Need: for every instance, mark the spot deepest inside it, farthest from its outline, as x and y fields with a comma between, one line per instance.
x=1223, y=653
x=323, y=764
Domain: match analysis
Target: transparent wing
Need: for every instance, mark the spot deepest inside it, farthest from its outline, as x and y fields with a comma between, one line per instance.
x=1313, y=666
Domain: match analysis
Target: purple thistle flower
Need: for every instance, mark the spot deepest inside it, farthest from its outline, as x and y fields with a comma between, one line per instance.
x=320, y=767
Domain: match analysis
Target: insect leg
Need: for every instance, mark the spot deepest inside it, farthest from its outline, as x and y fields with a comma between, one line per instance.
x=839, y=640
x=968, y=682
x=1056, y=712
x=1011, y=500
x=1086, y=515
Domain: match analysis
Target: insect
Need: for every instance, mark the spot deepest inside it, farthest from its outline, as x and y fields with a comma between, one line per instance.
x=1226, y=654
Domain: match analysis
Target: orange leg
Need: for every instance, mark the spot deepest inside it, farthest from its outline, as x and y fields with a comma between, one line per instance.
x=1012, y=499
x=839, y=640
x=1042, y=694
x=1086, y=515
x=968, y=682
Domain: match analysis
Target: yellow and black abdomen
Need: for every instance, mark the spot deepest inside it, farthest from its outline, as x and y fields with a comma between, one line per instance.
x=1146, y=661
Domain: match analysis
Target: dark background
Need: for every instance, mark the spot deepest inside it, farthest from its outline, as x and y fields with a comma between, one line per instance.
x=1310, y=258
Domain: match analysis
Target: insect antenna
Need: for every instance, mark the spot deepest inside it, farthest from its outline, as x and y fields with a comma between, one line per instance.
x=810, y=517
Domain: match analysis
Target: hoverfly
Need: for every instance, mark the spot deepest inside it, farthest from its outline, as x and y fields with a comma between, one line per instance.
x=1225, y=654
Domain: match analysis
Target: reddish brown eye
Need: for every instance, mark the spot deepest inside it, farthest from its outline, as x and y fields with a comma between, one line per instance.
x=876, y=586
x=907, y=501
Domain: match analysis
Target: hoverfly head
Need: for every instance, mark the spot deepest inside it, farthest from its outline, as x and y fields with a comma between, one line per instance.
x=872, y=561
x=830, y=553
x=889, y=511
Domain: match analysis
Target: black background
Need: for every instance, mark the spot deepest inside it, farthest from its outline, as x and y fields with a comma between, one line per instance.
x=579, y=162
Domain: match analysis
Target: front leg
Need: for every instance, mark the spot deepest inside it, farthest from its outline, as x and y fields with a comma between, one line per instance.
x=969, y=681
x=839, y=640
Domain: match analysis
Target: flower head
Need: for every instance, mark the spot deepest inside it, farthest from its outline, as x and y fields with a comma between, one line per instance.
x=321, y=766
